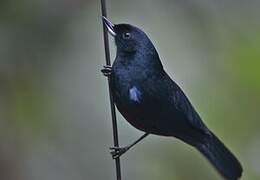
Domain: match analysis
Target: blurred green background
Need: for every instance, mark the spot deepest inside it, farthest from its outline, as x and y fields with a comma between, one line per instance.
x=54, y=107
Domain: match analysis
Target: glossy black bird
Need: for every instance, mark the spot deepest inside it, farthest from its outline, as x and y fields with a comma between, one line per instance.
x=152, y=102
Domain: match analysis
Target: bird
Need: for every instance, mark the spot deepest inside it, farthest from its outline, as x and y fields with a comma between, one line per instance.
x=152, y=102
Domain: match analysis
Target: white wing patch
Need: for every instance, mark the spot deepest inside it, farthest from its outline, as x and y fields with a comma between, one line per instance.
x=134, y=94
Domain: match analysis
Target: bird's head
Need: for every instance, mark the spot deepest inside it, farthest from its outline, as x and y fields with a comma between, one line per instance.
x=129, y=39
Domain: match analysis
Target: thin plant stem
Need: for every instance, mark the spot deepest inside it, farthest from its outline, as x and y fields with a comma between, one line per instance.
x=112, y=105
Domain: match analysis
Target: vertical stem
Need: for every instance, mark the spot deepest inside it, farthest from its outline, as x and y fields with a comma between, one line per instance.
x=112, y=105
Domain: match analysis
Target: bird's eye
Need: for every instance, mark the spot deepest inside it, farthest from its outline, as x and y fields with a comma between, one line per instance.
x=126, y=35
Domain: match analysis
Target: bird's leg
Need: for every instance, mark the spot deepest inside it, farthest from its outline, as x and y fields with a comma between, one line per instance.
x=116, y=152
x=107, y=70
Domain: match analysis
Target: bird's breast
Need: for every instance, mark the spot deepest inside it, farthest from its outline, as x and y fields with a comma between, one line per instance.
x=128, y=90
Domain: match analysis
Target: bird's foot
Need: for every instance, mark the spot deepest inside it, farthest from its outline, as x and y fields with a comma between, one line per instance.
x=116, y=152
x=107, y=70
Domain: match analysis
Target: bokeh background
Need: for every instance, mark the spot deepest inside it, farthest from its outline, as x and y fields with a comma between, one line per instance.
x=54, y=107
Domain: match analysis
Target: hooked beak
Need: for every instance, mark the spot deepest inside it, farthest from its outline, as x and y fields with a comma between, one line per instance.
x=109, y=25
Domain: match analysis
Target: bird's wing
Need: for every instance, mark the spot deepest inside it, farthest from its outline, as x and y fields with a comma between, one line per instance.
x=184, y=107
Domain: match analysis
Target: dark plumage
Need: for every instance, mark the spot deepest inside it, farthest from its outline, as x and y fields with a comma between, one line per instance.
x=152, y=102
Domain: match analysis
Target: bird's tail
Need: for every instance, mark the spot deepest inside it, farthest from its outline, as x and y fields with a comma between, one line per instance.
x=221, y=158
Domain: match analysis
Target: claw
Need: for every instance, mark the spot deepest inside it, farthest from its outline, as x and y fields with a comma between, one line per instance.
x=116, y=152
x=107, y=70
